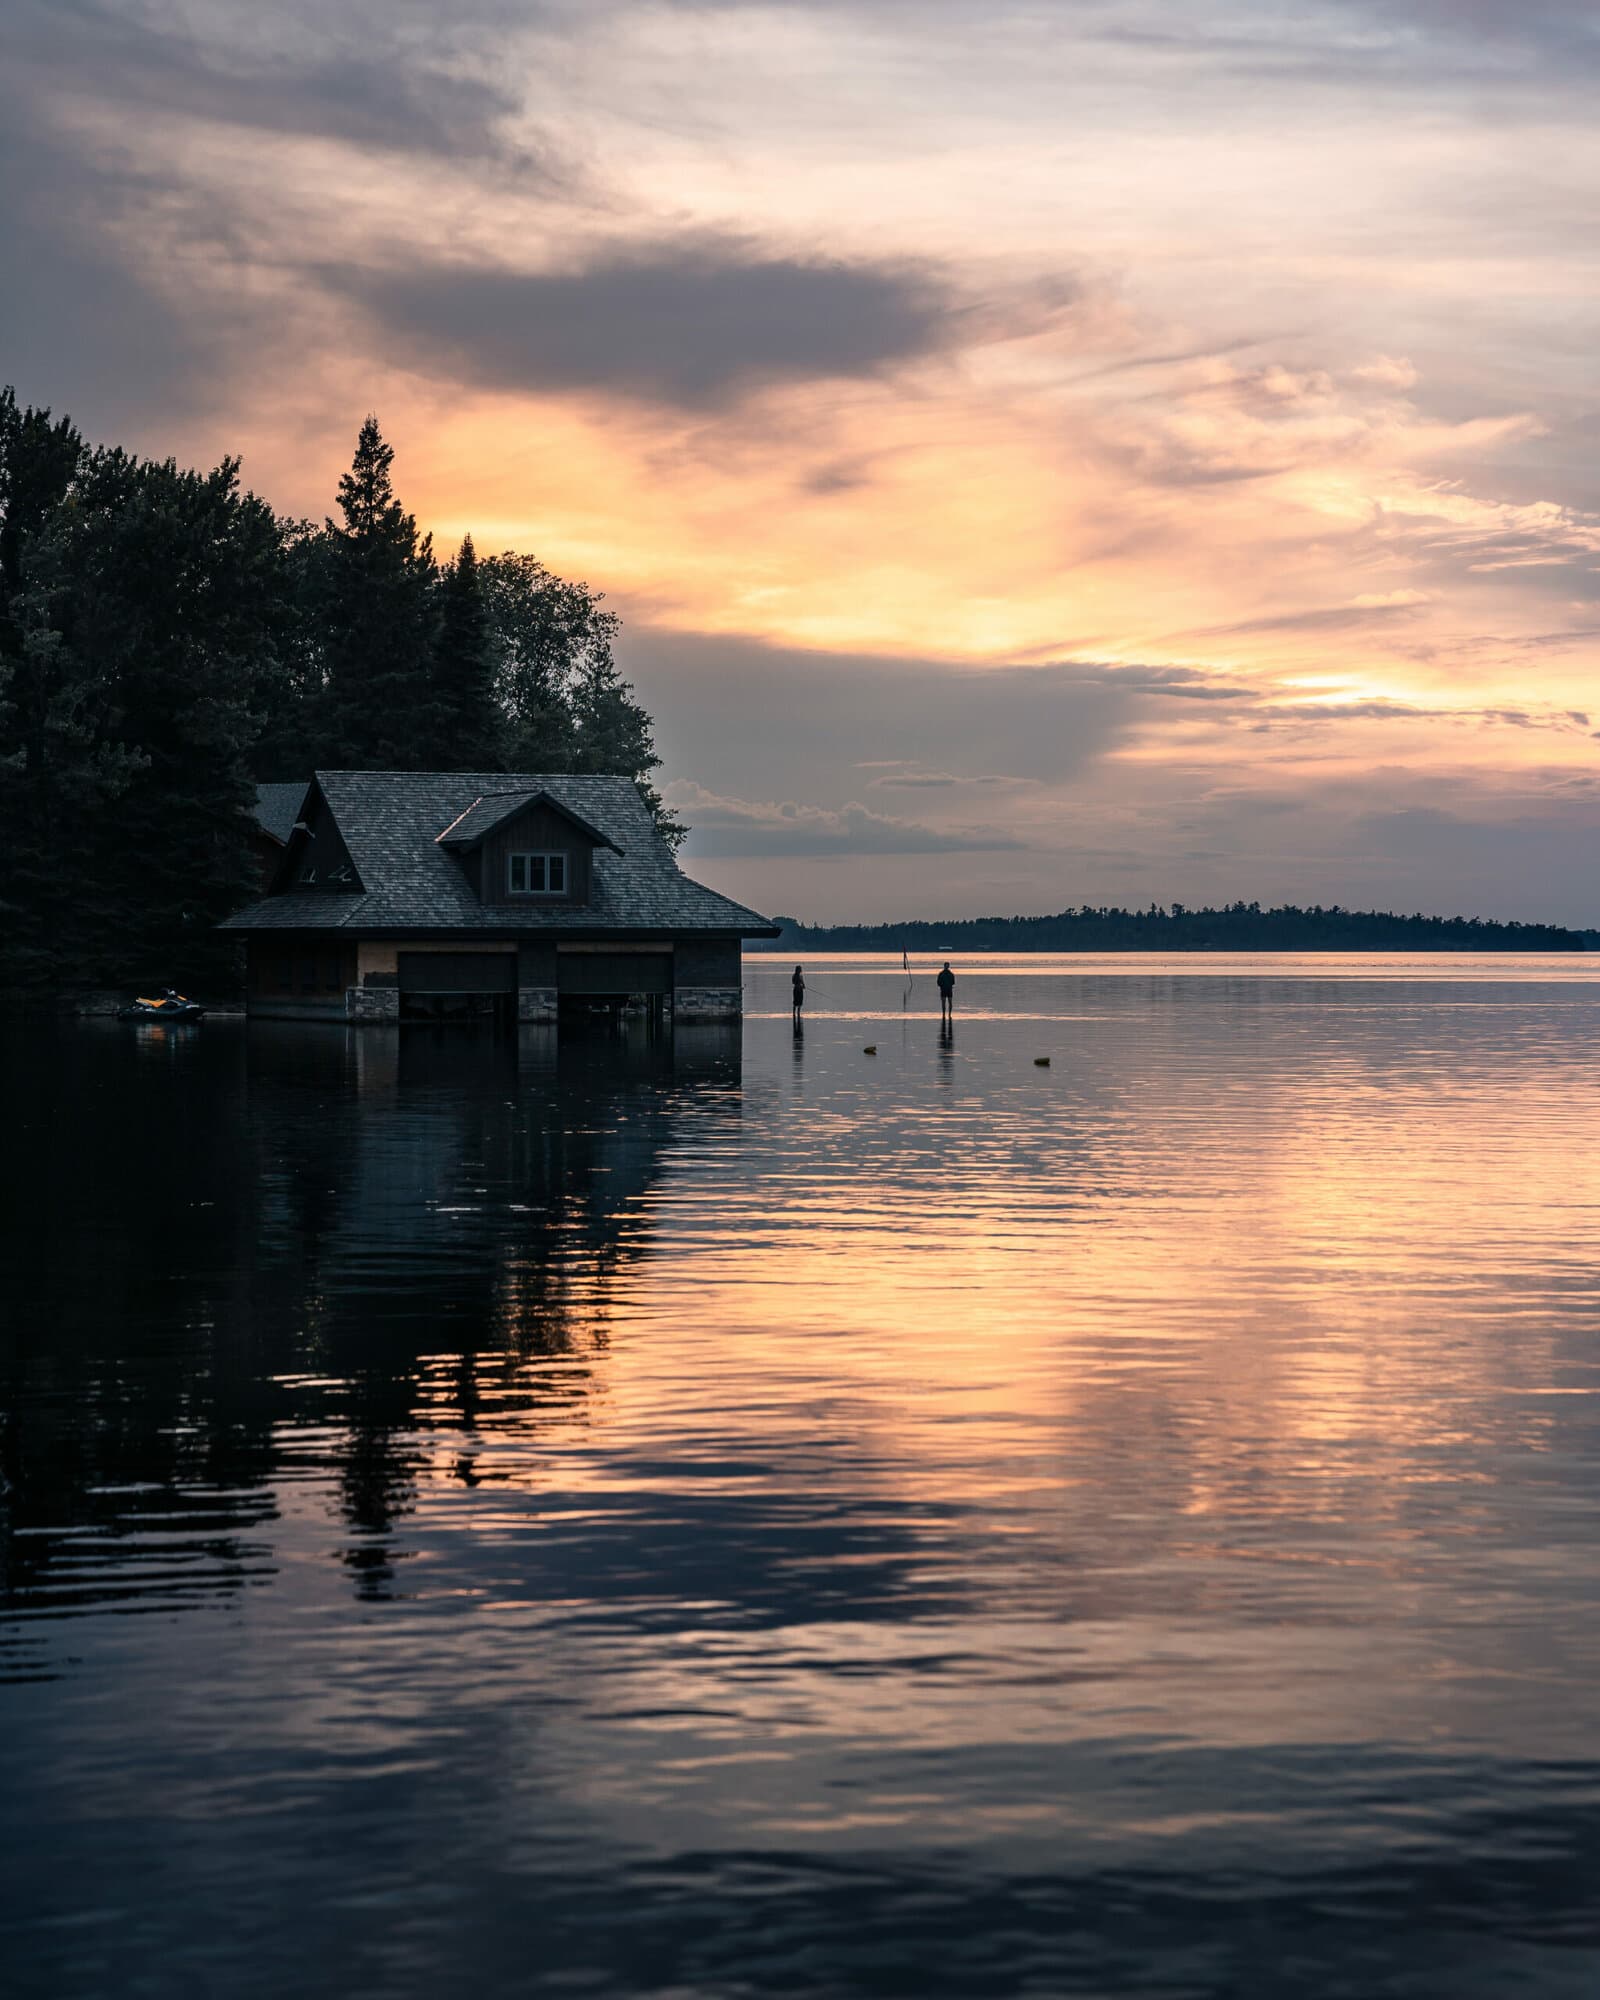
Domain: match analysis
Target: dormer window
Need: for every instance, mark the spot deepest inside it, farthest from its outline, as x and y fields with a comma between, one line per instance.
x=536, y=874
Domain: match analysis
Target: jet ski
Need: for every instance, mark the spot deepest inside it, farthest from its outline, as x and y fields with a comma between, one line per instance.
x=163, y=1006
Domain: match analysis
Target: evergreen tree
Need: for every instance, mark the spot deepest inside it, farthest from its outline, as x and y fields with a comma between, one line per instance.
x=60, y=775
x=177, y=600
x=38, y=461
x=54, y=769
x=293, y=700
x=147, y=609
x=373, y=591
x=466, y=655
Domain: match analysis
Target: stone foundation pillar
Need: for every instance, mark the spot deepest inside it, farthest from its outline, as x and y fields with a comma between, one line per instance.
x=708, y=1003
x=372, y=1003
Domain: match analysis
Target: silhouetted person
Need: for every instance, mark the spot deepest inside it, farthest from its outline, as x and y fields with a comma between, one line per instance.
x=799, y=985
x=947, y=992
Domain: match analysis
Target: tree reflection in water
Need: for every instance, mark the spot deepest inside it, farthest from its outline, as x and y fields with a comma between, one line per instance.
x=297, y=1249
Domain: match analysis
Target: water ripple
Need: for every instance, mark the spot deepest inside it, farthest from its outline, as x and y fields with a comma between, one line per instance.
x=666, y=1518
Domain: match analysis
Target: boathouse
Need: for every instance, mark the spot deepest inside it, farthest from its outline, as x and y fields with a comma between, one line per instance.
x=429, y=895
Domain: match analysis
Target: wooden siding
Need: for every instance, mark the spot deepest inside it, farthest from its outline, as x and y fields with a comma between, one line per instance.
x=458, y=972
x=536, y=831
x=536, y=964
x=707, y=962
x=299, y=966
x=615, y=971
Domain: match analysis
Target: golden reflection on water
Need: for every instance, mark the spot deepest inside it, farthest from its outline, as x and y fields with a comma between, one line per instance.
x=1306, y=1245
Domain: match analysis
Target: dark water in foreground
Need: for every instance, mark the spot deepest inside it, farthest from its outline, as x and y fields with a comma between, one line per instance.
x=485, y=1519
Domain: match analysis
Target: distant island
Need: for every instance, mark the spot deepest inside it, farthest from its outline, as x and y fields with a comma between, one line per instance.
x=1235, y=927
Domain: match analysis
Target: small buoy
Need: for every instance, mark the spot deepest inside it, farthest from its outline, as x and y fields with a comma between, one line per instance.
x=1041, y=1062
x=871, y=1049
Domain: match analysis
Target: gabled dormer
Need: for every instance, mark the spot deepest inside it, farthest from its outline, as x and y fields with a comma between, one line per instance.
x=526, y=850
x=315, y=856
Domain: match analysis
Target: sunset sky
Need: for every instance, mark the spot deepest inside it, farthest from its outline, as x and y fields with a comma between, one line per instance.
x=1083, y=450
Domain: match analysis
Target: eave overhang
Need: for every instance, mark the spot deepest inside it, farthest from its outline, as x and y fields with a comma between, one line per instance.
x=467, y=830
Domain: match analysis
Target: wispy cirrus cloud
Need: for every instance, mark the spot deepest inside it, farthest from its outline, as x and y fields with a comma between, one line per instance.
x=1360, y=612
x=1335, y=714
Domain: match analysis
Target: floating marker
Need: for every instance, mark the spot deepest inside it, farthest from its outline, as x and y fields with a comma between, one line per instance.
x=1041, y=1062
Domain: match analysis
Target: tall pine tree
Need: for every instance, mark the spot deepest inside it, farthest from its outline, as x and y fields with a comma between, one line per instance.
x=374, y=598
x=471, y=731
x=293, y=701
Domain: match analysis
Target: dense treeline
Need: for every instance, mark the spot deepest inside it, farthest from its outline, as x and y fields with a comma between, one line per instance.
x=167, y=642
x=1236, y=927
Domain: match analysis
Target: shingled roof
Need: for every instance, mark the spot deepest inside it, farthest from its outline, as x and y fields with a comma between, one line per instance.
x=391, y=821
x=278, y=807
x=485, y=814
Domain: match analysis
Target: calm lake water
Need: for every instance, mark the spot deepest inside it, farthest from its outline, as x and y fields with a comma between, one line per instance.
x=686, y=1519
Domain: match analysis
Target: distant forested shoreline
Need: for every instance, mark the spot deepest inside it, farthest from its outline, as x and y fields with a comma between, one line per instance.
x=1233, y=927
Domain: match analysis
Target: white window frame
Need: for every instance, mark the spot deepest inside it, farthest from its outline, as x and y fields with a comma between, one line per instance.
x=549, y=864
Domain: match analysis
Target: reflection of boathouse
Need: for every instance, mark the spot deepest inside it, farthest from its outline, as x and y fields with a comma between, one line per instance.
x=427, y=895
